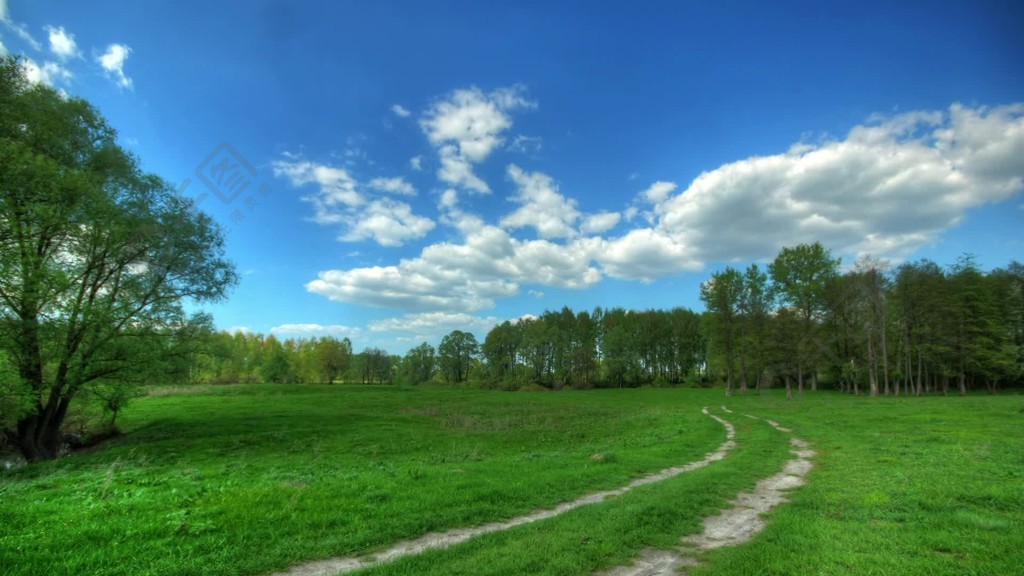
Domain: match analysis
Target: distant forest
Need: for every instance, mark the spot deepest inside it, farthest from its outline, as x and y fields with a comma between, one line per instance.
x=800, y=323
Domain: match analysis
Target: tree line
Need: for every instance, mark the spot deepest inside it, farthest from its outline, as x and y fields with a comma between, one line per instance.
x=799, y=322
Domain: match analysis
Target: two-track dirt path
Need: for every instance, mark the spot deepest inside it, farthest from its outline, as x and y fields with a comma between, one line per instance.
x=435, y=540
x=731, y=527
x=734, y=525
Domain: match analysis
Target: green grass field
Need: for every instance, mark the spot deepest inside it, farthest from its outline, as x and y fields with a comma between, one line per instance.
x=253, y=479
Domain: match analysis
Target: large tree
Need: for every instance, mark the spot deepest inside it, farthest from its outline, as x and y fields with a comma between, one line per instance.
x=97, y=257
x=801, y=274
x=456, y=354
x=723, y=297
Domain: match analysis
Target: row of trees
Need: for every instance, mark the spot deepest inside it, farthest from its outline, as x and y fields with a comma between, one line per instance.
x=914, y=329
x=612, y=347
x=798, y=322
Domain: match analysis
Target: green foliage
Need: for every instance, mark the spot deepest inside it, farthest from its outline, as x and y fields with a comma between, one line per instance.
x=15, y=396
x=419, y=365
x=97, y=257
x=456, y=354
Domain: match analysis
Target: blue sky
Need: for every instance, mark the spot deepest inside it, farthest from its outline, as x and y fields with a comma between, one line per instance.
x=415, y=167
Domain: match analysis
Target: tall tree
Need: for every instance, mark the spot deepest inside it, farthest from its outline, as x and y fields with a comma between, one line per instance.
x=96, y=256
x=801, y=274
x=456, y=354
x=723, y=297
x=419, y=364
x=755, y=306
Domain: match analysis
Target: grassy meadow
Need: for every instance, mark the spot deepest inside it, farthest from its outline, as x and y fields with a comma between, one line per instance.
x=251, y=479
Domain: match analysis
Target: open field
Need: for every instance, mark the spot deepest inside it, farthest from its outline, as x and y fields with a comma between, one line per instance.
x=254, y=479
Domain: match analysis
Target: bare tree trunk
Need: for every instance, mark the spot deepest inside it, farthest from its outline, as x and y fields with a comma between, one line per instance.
x=789, y=388
x=872, y=368
x=743, y=373
x=885, y=353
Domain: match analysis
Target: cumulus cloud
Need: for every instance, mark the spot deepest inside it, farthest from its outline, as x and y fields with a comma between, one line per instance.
x=416, y=163
x=62, y=43
x=541, y=206
x=888, y=188
x=387, y=222
x=400, y=111
x=338, y=200
x=336, y=188
x=396, y=185
x=434, y=325
x=50, y=73
x=466, y=127
x=112, y=61
x=456, y=170
x=600, y=222
x=309, y=330
x=645, y=254
x=465, y=277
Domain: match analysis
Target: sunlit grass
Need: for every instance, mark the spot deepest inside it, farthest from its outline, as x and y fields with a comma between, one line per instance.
x=244, y=480
x=252, y=479
x=902, y=486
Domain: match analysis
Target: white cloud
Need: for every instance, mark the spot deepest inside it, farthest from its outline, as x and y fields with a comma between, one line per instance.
x=645, y=254
x=600, y=222
x=464, y=277
x=3, y=49
x=659, y=191
x=434, y=325
x=416, y=163
x=888, y=188
x=112, y=62
x=396, y=185
x=542, y=207
x=309, y=330
x=50, y=73
x=337, y=189
x=400, y=111
x=19, y=29
x=338, y=200
x=237, y=329
x=466, y=127
x=387, y=222
x=457, y=171
x=62, y=43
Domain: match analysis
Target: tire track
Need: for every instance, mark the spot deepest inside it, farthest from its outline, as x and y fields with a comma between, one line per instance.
x=439, y=540
x=733, y=526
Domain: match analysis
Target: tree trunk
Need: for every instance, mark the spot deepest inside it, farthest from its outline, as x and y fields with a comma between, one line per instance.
x=39, y=438
x=789, y=388
x=743, y=373
x=885, y=355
